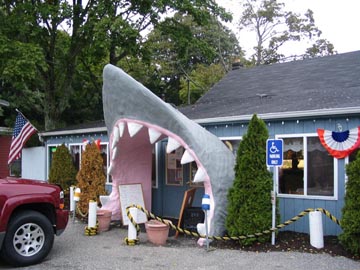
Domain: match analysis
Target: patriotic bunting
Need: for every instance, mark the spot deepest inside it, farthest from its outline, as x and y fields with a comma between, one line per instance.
x=340, y=144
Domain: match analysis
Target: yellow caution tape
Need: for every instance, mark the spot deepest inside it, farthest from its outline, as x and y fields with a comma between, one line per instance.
x=225, y=238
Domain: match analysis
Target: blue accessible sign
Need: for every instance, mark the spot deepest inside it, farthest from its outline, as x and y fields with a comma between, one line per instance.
x=274, y=152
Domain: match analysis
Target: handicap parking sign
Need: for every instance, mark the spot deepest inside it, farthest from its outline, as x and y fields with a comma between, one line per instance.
x=274, y=152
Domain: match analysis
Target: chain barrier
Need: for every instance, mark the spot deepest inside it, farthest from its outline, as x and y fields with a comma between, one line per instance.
x=221, y=238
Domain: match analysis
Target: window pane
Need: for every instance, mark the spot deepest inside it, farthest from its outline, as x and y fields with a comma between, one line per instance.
x=75, y=154
x=104, y=155
x=320, y=178
x=291, y=173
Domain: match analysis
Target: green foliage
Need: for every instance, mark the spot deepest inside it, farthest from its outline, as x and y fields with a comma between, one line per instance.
x=249, y=200
x=183, y=50
x=350, y=222
x=53, y=52
x=274, y=26
x=62, y=169
x=91, y=177
x=199, y=82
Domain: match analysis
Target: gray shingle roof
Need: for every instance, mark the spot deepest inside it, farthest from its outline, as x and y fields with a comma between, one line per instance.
x=329, y=82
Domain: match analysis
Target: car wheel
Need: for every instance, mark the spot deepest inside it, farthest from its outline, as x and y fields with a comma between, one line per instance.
x=28, y=240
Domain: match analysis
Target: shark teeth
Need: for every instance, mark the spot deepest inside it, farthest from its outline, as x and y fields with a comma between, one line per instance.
x=134, y=128
x=116, y=137
x=187, y=157
x=172, y=145
x=121, y=128
x=200, y=175
x=154, y=136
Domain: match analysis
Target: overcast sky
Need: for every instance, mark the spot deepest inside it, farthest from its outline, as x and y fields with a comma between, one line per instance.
x=339, y=21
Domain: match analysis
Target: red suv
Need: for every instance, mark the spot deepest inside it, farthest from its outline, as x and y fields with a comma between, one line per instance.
x=31, y=213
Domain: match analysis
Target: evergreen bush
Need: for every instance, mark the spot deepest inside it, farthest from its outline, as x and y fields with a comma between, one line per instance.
x=62, y=170
x=91, y=177
x=350, y=222
x=249, y=199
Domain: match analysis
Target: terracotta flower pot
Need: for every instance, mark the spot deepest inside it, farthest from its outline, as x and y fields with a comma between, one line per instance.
x=157, y=232
x=104, y=219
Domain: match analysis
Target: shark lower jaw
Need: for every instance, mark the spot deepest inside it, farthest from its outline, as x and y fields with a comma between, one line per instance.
x=131, y=143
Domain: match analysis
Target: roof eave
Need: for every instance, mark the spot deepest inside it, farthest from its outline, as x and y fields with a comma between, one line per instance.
x=73, y=131
x=282, y=115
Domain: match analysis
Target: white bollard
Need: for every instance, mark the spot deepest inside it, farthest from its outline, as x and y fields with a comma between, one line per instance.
x=72, y=202
x=92, y=214
x=132, y=234
x=316, y=229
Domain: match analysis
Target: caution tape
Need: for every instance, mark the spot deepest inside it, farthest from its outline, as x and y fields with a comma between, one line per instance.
x=91, y=231
x=226, y=238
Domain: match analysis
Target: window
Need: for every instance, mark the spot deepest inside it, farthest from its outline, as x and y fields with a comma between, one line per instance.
x=154, y=171
x=174, y=169
x=232, y=143
x=307, y=168
x=76, y=152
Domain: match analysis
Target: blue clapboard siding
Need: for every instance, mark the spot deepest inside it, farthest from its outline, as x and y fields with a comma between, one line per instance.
x=291, y=207
x=167, y=200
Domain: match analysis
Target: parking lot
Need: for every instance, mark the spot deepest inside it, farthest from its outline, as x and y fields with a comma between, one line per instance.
x=107, y=250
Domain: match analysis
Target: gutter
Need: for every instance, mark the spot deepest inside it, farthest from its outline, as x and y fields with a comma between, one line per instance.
x=282, y=115
x=73, y=131
x=236, y=118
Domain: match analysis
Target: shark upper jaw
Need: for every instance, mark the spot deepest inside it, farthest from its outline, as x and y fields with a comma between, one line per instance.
x=136, y=119
x=131, y=132
x=155, y=133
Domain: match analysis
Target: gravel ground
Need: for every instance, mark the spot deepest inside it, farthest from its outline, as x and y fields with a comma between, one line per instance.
x=73, y=250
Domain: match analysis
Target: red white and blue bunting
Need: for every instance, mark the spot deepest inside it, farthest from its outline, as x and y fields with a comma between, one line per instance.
x=340, y=144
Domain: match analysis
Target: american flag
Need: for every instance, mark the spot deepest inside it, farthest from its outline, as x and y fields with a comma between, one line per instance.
x=22, y=132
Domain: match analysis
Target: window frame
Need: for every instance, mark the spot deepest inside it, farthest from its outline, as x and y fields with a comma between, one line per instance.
x=68, y=145
x=305, y=137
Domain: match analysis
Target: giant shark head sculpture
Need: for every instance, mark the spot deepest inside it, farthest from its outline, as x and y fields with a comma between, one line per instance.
x=135, y=119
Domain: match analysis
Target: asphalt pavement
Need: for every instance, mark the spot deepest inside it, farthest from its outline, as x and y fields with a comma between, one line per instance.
x=107, y=250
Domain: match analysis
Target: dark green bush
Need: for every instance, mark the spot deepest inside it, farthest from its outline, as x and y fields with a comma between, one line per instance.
x=249, y=200
x=62, y=169
x=350, y=222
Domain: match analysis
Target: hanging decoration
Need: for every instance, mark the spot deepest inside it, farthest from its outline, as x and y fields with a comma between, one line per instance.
x=340, y=144
x=86, y=142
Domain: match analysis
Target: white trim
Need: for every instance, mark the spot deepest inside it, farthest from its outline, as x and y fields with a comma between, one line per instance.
x=281, y=115
x=73, y=131
x=157, y=150
x=232, y=138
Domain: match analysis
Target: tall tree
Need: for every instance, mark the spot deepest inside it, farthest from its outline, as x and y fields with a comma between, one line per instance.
x=273, y=27
x=48, y=39
x=350, y=221
x=179, y=47
x=249, y=204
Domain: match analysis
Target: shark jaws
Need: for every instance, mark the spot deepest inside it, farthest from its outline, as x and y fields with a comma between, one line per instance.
x=136, y=119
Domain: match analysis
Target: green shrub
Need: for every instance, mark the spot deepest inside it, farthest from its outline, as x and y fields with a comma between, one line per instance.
x=249, y=199
x=62, y=169
x=350, y=222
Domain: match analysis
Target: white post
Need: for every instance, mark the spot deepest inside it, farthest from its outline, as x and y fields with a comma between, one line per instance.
x=76, y=199
x=72, y=202
x=316, y=229
x=132, y=234
x=273, y=201
x=92, y=214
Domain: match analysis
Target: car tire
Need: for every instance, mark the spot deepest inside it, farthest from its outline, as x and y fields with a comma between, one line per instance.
x=28, y=240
